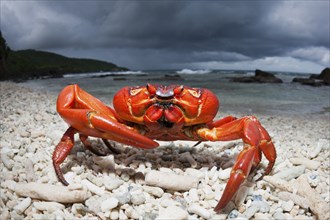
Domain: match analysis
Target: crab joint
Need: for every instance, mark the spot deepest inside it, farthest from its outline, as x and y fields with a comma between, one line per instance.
x=240, y=172
x=90, y=114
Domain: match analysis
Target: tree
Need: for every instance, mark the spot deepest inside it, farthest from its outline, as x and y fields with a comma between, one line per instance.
x=4, y=48
x=4, y=53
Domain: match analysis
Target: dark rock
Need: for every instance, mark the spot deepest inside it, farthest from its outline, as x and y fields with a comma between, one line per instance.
x=265, y=77
x=314, y=76
x=316, y=79
x=324, y=75
x=259, y=77
x=307, y=81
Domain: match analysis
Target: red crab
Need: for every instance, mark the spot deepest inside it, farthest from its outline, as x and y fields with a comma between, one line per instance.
x=143, y=114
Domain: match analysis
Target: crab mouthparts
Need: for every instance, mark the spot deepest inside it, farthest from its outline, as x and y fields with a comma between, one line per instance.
x=165, y=92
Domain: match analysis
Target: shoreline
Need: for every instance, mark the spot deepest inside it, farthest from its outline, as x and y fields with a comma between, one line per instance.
x=230, y=102
x=31, y=128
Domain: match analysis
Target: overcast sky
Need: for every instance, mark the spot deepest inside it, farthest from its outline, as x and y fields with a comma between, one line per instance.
x=270, y=35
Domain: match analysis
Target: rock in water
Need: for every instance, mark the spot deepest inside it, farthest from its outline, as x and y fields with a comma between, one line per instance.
x=324, y=76
x=259, y=77
x=316, y=79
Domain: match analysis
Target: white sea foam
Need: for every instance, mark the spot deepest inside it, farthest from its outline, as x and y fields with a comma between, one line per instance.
x=190, y=71
x=79, y=75
x=249, y=73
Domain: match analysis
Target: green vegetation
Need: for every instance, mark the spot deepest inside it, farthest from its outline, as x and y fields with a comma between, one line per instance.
x=4, y=51
x=29, y=64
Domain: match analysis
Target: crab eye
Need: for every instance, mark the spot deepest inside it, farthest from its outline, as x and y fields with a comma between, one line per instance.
x=151, y=89
x=178, y=90
x=195, y=92
x=135, y=91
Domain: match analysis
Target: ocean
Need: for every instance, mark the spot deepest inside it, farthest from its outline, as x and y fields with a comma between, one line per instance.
x=235, y=98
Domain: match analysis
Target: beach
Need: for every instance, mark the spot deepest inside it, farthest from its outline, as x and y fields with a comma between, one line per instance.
x=122, y=186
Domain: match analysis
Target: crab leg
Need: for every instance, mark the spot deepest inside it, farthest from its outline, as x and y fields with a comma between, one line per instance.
x=61, y=152
x=256, y=140
x=90, y=117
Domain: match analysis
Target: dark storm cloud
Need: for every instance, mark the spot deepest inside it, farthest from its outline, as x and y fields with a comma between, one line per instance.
x=148, y=33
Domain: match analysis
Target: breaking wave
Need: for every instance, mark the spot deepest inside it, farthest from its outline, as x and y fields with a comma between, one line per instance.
x=103, y=74
x=190, y=71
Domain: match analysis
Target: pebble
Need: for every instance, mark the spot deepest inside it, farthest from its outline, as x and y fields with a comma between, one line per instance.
x=114, y=214
x=194, y=172
x=317, y=204
x=131, y=213
x=279, y=215
x=30, y=175
x=123, y=197
x=287, y=206
x=260, y=216
x=137, y=198
x=199, y=210
x=92, y=187
x=111, y=183
x=48, y=192
x=6, y=161
x=302, y=217
x=168, y=202
x=315, y=152
x=257, y=205
x=122, y=215
x=324, y=144
x=225, y=174
x=301, y=201
x=79, y=209
x=24, y=134
x=48, y=206
x=106, y=162
x=309, y=164
x=24, y=204
x=170, y=181
x=93, y=204
x=233, y=214
x=193, y=195
x=75, y=186
x=37, y=133
x=290, y=173
x=172, y=212
x=109, y=204
x=155, y=191
x=5, y=213
x=251, y=211
x=314, y=179
x=279, y=183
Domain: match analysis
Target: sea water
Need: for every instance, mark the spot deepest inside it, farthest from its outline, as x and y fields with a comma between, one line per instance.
x=243, y=98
